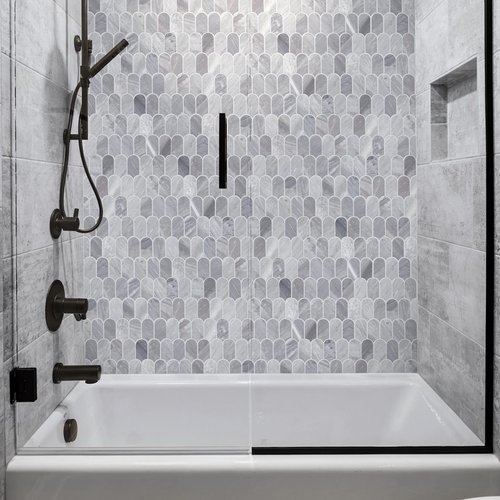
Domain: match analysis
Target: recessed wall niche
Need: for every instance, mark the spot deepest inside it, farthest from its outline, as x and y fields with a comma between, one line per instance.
x=455, y=114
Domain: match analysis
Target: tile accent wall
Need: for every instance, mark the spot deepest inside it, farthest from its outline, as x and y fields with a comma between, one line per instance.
x=451, y=204
x=306, y=263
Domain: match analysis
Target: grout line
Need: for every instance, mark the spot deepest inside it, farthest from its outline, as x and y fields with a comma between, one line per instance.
x=447, y=161
x=458, y=245
x=46, y=247
x=41, y=75
x=452, y=327
x=419, y=21
x=43, y=162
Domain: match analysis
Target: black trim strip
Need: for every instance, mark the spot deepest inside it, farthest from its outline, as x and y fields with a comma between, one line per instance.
x=489, y=61
x=222, y=151
x=369, y=450
x=490, y=293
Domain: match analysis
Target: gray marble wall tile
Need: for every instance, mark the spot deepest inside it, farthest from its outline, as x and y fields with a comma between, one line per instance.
x=34, y=211
x=49, y=58
x=452, y=204
x=307, y=263
x=454, y=19
x=36, y=270
x=451, y=195
x=451, y=285
x=7, y=132
x=465, y=116
x=35, y=83
x=6, y=13
x=41, y=107
x=454, y=367
x=65, y=346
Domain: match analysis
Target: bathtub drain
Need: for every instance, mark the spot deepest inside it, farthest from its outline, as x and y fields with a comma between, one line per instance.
x=70, y=430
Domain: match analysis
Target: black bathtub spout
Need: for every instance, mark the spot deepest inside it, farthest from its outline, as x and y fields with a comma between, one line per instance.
x=90, y=374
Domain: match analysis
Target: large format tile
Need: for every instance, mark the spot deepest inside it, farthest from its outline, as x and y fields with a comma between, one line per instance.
x=466, y=31
x=36, y=204
x=73, y=9
x=7, y=222
x=451, y=285
x=35, y=272
x=6, y=15
x=431, y=47
x=7, y=108
x=451, y=202
x=454, y=366
x=425, y=7
x=41, y=116
x=44, y=41
x=450, y=35
x=64, y=346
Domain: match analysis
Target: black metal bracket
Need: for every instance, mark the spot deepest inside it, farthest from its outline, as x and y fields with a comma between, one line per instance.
x=23, y=387
x=69, y=137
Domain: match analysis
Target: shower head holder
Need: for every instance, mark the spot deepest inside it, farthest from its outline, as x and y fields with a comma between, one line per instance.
x=59, y=222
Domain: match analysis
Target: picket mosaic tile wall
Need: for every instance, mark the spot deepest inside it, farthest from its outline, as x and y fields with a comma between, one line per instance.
x=307, y=262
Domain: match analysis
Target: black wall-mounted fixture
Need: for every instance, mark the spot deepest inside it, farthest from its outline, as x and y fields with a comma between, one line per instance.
x=57, y=305
x=90, y=374
x=59, y=221
x=23, y=386
x=222, y=151
x=87, y=71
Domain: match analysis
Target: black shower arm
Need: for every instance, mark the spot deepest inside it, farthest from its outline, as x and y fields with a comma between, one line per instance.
x=87, y=71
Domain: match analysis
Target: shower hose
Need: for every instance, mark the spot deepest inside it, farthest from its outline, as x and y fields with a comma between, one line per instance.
x=64, y=173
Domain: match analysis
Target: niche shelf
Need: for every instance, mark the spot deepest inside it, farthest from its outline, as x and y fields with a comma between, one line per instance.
x=455, y=113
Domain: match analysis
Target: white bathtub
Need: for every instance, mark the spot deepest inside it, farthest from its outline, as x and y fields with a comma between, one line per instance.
x=185, y=437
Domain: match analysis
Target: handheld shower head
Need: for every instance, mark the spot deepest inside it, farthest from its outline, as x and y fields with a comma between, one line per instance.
x=83, y=45
x=105, y=60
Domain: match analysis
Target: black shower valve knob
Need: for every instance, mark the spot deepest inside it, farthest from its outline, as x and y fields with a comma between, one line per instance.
x=57, y=305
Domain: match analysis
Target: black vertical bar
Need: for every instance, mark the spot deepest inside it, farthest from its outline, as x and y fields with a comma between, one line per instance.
x=490, y=223
x=84, y=70
x=222, y=151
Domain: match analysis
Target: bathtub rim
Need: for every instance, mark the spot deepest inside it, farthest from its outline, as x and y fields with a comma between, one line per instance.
x=366, y=379
x=480, y=474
